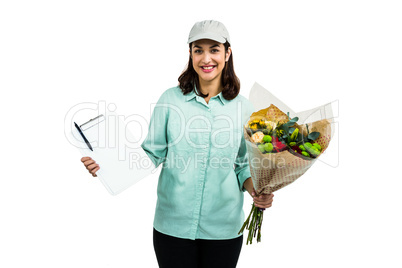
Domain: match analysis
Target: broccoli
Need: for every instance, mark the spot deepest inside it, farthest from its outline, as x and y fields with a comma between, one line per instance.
x=267, y=138
x=261, y=148
x=268, y=147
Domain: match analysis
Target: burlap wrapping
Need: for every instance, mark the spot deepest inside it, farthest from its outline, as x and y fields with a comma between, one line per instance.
x=273, y=171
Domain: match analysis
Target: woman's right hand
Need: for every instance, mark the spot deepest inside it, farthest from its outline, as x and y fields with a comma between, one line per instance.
x=91, y=165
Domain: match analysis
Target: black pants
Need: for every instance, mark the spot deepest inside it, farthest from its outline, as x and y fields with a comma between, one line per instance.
x=173, y=252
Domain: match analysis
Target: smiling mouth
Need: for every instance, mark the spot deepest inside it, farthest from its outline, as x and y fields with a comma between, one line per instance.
x=207, y=67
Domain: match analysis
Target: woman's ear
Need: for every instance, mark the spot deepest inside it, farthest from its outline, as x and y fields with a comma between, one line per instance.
x=228, y=53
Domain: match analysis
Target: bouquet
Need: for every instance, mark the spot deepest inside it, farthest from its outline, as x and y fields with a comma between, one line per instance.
x=280, y=151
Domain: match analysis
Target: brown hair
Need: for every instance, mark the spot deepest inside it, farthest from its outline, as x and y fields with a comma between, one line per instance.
x=231, y=83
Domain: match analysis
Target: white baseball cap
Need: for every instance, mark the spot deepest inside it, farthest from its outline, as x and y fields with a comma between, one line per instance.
x=209, y=29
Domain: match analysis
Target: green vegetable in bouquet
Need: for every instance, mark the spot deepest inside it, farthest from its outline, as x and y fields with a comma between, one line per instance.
x=316, y=145
x=267, y=138
x=268, y=147
x=313, y=151
x=307, y=145
x=261, y=147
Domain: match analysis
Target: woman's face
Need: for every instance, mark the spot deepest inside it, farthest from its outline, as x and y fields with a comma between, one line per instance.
x=209, y=58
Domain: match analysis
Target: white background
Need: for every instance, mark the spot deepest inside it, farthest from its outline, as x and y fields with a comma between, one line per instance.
x=57, y=54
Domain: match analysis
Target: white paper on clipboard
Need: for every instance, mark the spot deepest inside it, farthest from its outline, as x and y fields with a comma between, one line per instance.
x=121, y=159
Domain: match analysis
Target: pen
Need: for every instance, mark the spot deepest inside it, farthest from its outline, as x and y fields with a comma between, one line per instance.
x=82, y=134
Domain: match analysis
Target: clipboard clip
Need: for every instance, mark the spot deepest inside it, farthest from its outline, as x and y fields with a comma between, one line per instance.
x=93, y=119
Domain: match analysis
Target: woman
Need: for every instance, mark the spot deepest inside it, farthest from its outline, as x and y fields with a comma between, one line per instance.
x=196, y=132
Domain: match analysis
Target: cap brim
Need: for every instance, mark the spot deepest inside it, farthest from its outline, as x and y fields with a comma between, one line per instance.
x=211, y=36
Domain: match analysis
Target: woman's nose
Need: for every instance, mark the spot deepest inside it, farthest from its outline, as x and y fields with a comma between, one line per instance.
x=207, y=58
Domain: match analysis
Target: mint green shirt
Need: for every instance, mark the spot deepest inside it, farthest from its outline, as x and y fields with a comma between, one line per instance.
x=204, y=164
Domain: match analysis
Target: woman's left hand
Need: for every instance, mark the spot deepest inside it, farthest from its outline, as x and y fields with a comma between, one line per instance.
x=263, y=200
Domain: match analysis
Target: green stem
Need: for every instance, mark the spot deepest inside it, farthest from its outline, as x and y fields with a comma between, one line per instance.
x=259, y=231
x=247, y=221
x=253, y=224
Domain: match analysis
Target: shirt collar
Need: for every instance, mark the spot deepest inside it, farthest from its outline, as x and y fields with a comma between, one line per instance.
x=192, y=95
x=223, y=100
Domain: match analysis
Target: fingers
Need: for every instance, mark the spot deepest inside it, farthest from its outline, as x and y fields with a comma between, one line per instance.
x=93, y=168
x=263, y=205
x=85, y=158
x=263, y=201
x=91, y=165
x=94, y=171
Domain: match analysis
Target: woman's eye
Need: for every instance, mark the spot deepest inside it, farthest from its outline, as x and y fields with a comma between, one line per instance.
x=215, y=50
x=197, y=51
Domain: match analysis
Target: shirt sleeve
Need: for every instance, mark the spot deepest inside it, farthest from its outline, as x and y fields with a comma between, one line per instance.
x=242, y=168
x=241, y=164
x=155, y=144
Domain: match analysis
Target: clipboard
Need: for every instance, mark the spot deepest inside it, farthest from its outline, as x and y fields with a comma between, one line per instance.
x=122, y=161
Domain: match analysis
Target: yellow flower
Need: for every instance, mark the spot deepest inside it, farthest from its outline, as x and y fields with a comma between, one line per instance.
x=256, y=124
x=279, y=133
